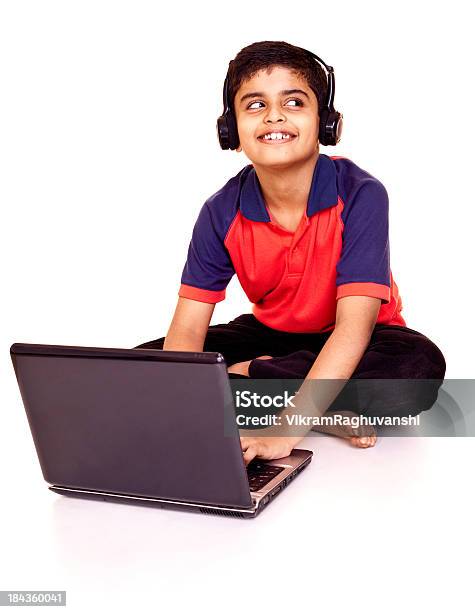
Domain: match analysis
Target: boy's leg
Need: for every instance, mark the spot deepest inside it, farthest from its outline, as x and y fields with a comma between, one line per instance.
x=400, y=373
x=394, y=352
x=239, y=340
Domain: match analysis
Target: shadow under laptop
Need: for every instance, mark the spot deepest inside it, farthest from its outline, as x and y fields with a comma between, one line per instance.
x=91, y=535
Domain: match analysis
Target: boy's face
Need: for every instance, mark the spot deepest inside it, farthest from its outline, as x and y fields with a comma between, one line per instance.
x=280, y=102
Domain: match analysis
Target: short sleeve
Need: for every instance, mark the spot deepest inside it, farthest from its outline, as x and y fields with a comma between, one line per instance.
x=363, y=267
x=208, y=267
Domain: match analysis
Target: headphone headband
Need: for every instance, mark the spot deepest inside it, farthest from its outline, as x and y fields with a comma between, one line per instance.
x=331, y=121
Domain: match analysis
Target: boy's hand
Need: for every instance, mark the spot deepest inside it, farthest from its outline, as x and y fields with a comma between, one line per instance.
x=267, y=447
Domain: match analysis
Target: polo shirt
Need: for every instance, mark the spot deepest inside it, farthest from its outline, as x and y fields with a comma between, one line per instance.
x=294, y=279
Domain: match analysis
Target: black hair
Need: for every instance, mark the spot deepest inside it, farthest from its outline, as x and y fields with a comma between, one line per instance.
x=268, y=54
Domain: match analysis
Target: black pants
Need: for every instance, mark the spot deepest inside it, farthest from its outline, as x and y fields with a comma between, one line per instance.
x=394, y=352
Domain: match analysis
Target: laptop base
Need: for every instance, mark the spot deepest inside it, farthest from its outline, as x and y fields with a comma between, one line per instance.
x=259, y=501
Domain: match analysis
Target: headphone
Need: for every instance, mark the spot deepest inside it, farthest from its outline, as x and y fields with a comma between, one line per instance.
x=331, y=121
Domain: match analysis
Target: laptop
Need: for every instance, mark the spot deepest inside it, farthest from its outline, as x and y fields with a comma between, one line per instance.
x=143, y=426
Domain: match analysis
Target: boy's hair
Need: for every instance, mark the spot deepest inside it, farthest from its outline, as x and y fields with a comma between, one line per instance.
x=268, y=54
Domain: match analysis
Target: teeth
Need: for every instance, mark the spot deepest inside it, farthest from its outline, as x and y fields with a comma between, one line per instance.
x=276, y=136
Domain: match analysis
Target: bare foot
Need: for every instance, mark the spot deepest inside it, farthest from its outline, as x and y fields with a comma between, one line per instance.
x=366, y=437
x=242, y=367
x=364, y=441
x=363, y=436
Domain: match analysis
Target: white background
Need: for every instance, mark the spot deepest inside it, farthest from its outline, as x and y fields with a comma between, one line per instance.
x=108, y=150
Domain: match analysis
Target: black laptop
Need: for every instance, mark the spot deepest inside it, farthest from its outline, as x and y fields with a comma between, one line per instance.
x=143, y=426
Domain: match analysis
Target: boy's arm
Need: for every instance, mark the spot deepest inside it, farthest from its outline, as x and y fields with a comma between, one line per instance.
x=355, y=320
x=189, y=325
x=356, y=316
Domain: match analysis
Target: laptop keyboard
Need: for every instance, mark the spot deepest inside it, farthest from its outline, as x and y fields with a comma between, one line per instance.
x=259, y=474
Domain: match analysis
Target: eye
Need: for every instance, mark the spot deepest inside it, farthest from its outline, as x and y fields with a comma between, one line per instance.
x=251, y=105
x=297, y=101
x=294, y=102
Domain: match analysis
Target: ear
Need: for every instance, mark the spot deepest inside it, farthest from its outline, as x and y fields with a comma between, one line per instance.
x=239, y=149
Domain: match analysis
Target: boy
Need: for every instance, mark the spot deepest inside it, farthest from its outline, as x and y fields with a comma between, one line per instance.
x=307, y=235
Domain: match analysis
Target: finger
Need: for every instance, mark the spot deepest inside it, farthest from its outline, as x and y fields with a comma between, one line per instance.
x=264, y=452
x=246, y=442
x=250, y=454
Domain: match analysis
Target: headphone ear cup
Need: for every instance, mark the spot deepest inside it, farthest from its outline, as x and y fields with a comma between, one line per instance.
x=223, y=132
x=227, y=131
x=232, y=131
x=331, y=126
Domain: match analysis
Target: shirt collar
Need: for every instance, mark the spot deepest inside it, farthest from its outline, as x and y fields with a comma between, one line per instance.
x=323, y=191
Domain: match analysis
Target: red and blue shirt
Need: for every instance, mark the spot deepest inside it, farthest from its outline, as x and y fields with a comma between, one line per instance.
x=294, y=279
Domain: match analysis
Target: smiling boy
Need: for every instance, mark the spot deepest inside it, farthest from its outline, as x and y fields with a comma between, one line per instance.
x=307, y=236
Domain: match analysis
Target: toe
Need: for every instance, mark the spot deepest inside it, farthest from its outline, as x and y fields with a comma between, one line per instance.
x=363, y=442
